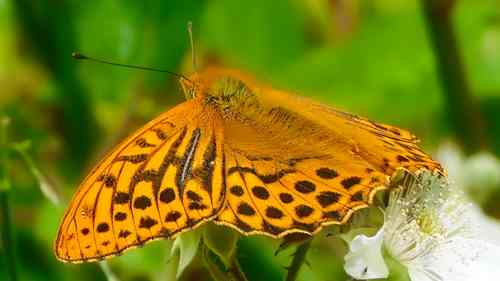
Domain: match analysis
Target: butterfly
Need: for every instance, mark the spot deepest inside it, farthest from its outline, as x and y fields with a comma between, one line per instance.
x=237, y=153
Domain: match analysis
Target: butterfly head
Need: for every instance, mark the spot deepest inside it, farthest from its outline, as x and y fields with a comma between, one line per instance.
x=222, y=89
x=190, y=86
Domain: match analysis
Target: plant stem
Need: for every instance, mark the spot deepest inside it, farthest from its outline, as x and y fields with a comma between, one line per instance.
x=212, y=267
x=465, y=115
x=6, y=229
x=110, y=275
x=299, y=257
x=4, y=180
x=235, y=271
x=8, y=242
x=48, y=190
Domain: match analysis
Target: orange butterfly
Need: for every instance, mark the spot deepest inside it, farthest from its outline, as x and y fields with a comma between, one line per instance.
x=237, y=153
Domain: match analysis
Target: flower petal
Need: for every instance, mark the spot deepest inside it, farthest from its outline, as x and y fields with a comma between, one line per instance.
x=461, y=259
x=484, y=227
x=364, y=260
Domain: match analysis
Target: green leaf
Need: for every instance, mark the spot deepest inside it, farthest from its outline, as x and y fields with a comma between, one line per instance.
x=221, y=241
x=186, y=246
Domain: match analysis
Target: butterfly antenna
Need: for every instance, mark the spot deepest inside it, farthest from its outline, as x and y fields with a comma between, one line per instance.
x=191, y=41
x=80, y=56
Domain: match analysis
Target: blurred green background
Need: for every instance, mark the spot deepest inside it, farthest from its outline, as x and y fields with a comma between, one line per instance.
x=374, y=58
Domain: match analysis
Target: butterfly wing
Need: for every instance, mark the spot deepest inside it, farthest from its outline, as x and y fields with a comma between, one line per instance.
x=162, y=180
x=293, y=165
x=288, y=174
x=384, y=146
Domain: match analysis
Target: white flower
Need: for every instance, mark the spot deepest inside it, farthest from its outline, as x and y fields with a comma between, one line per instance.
x=478, y=175
x=429, y=230
x=365, y=257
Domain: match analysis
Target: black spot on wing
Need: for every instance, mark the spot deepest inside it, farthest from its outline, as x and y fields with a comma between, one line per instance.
x=173, y=216
x=120, y=216
x=260, y=192
x=197, y=206
x=274, y=213
x=305, y=186
x=350, y=182
x=327, y=198
x=143, y=143
x=401, y=158
x=142, y=202
x=236, y=190
x=245, y=209
x=108, y=180
x=121, y=198
x=303, y=211
x=332, y=215
x=167, y=195
x=147, y=222
x=124, y=233
x=160, y=134
x=358, y=196
x=103, y=227
x=286, y=198
x=85, y=231
x=326, y=173
x=193, y=196
x=135, y=159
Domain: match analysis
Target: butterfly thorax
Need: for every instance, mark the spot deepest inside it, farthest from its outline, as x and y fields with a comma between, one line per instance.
x=225, y=95
x=229, y=95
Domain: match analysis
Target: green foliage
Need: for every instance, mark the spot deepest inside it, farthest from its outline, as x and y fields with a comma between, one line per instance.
x=221, y=241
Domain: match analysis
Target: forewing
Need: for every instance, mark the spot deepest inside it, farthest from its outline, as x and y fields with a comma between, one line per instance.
x=162, y=180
